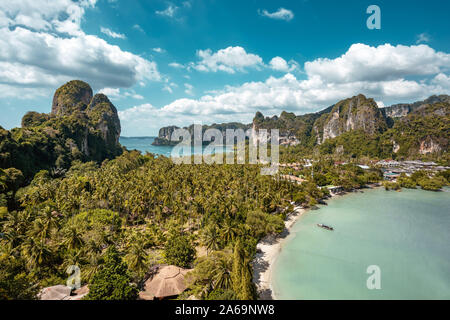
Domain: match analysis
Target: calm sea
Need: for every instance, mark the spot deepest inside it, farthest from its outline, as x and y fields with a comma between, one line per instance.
x=144, y=144
x=405, y=234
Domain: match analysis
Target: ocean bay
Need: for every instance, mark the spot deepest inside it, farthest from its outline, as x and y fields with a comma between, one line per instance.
x=404, y=233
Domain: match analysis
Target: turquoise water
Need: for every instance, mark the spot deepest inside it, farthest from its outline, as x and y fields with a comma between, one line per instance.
x=405, y=233
x=144, y=144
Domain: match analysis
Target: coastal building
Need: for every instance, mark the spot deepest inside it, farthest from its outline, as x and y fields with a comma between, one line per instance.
x=390, y=176
x=388, y=163
x=391, y=167
x=335, y=189
x=62, y=292
x=168, y=282
x=292, y=178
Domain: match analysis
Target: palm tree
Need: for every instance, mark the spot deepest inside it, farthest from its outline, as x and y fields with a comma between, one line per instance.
x=72, y=238
x=36, y=253
x=137, y=258
x=222, y=270
x=211, y=238
x=229, y=230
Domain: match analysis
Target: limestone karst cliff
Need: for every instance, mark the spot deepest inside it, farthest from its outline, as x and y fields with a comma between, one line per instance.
x=356, y=113
x=80, y=126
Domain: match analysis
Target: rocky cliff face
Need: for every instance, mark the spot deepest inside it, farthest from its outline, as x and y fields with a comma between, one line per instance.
x=99, y=137
x=73, y=96
x=397, y=111
x=105, y=124
x=403, y=109
x=428, y=146
x=356, y=113
x=357, y=126
x=79, y=127
x=165, y=133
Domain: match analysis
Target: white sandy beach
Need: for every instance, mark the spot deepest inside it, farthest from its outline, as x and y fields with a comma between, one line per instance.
x=270, y=247
x=268, y=250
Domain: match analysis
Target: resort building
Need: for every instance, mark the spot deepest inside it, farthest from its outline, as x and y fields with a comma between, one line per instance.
x=167, y=283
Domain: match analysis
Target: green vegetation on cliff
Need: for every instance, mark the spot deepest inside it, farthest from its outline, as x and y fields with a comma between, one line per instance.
x=80, y=127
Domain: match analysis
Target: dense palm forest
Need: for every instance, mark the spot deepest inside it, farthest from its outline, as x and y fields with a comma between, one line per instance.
x=151, y=211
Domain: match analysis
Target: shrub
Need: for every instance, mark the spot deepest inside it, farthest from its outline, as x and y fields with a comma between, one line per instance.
x=112, y=282
x=179, y=251
x=432, y=184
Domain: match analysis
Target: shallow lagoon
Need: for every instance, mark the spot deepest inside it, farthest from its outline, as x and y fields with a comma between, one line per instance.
x=405, y=233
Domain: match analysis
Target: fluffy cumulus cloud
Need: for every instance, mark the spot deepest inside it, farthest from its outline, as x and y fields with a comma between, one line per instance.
x=42, y=46
x=387, y=73
x=229, y=60
x=279, y=64
x=385, y=62
x=280, y=14
x=62, y=16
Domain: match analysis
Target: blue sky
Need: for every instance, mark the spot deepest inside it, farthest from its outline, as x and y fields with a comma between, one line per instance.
x=176, y=62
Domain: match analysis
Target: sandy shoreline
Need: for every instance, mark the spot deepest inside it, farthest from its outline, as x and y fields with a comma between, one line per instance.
x=267, y=252
x=270, y=247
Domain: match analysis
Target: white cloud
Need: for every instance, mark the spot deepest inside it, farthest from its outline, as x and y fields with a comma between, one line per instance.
x=116, y=94
x=380, y=104
x=229, y=60
x=365, y=63
x=139, y=28
x=290, y=93
x=422, y=38
x=42, y=45
x=159, y=50
x=111, y=92
x=442, y=80
x=112, y=34
x=169, y=86
x=169, y=12
x=176, y=65
x=62, y=16
x=280, y=14
x=189, y=89
x=279, y=64
x=324, y=85
x=134, y=96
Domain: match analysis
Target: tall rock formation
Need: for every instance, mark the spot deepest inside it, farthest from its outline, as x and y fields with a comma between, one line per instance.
x=80, y=127
x=356, y=113
x=403, y=109
x=74, y=96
